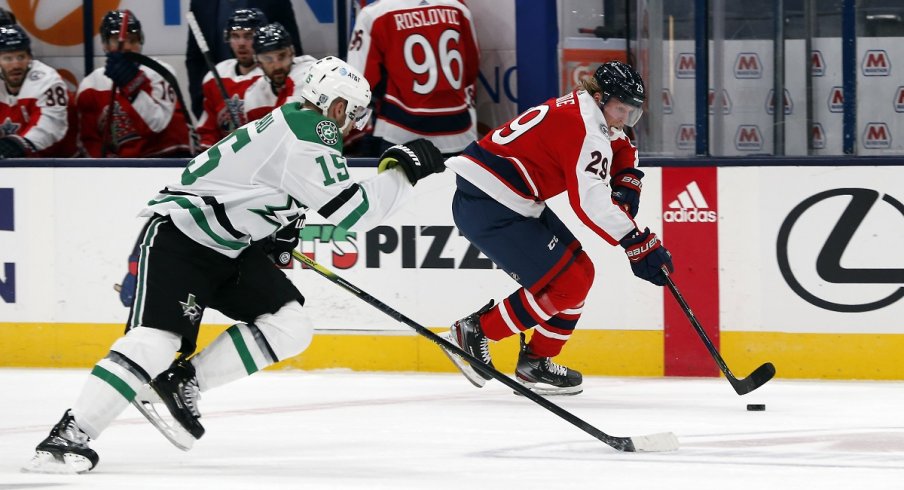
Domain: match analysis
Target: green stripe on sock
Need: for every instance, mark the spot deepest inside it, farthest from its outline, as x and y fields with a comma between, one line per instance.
x=242, y=348
x=115, y=381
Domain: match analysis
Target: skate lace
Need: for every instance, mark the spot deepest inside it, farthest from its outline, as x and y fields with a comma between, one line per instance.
x=555, y=368
x=485, y=350
x=191, y=393
x=72, y=433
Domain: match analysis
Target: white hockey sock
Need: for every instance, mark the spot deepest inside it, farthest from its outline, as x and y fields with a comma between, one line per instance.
x=244, y=349
x=134, y=360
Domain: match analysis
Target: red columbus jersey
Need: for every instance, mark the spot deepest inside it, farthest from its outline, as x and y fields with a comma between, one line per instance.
x=39, y=113
x=150, y=126
x=215, y=122
x=260, y=98
x=428, y=52
x=561, y=145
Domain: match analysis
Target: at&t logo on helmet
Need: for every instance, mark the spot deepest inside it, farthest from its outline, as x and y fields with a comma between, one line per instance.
x=690, y=207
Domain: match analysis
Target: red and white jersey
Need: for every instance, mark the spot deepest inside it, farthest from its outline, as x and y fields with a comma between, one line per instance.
x=151, y=125
x=260, y=98
x=38, y=112
x=428, y=52
x=215, y=123
x=561, y=145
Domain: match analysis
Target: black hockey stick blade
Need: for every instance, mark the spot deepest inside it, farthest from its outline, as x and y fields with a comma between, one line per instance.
x=664, y=441
x=756, y=379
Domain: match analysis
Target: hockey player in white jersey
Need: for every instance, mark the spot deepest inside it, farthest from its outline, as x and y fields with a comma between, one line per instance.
x=199, y=253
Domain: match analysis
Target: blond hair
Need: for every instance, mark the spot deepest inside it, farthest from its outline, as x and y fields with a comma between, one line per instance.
x=590, y=84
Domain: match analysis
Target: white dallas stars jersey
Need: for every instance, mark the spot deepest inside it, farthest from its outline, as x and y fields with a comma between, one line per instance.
x=260, y=99
x=38, y=112
x=267, y=173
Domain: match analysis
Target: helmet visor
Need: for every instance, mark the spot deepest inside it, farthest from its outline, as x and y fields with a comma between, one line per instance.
x=620, y=114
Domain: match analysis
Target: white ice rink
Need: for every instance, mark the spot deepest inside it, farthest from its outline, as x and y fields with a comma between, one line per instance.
x=345, y=430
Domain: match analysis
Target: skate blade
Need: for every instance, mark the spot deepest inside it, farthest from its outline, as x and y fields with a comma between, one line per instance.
x=147, y=401
x=550, y=390
x=469, y=373
x=44, y=462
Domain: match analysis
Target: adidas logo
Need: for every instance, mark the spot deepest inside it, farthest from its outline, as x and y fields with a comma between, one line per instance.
x=690, y=207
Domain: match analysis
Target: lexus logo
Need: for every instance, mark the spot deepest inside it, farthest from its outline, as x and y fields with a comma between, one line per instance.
x=828, y=262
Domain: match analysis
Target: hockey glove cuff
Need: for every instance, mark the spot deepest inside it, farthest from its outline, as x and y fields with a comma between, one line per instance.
x=626, y=187
x=647, y=256
x=281, y=244
x=418, y=159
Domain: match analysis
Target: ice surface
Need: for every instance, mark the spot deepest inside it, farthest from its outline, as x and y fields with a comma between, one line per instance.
x=352, y=430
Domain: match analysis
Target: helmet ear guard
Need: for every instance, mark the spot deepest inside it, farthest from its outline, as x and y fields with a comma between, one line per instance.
x=331, y=78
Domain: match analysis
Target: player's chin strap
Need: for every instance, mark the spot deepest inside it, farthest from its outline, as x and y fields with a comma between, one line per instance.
x=170, y=78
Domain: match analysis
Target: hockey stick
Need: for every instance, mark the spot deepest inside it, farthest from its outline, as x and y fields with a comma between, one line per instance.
x=665, y=441
x=757, y=378
x=168, y=76
x=108, y=124
x=205, y=50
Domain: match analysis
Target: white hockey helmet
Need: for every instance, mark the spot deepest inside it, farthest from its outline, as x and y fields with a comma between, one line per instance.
x=331, y=78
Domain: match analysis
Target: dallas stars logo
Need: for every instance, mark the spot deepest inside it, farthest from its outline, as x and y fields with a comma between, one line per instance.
x=191, y=309
x=280, y=216
x=9, y=127
x=328, y=132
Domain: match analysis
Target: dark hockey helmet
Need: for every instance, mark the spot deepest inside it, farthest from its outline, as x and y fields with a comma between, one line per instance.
x=7, y=18
x=619, y=80
x=244, y=19
x=14, y=38
x=112, y=24
x=270, y=38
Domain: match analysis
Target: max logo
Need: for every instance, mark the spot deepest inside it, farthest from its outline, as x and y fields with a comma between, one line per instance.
x=876, y=63
x=667, y=101
x=748, y=66
x=836, y=100
x=877, y=136
x=817, y=64
x=687, y=66
x=817, y=136
x=828, y=262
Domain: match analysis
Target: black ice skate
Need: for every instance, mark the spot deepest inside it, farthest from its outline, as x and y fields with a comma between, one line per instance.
x=545, y=377
x=177, y=389
x=468, y=335
x=65, y=450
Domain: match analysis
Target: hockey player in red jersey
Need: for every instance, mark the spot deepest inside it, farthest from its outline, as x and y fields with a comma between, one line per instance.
x=237, y=75
x=146, y=121
x=34, y=102
x=574, y=144
x=283, y=71
x=425, y=57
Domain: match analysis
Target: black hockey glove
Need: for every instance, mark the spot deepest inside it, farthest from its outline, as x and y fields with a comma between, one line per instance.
x=418, y=159
x=279, y=245
x=12, y=146
x=626, y=189
x=647, y=256
x=125, y=74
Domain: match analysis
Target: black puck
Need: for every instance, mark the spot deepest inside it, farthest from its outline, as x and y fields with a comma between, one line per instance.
x=756, y=407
